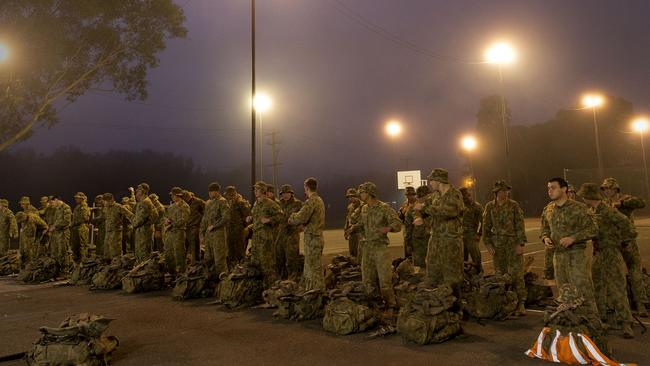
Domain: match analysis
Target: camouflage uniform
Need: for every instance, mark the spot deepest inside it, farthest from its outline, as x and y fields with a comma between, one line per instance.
x=80, y=232
x=375, y=262
x=312, y=216
x=549, y=253
x=287, y=249
x=626, y=204
x=113, y=215
x=99, y=227
x=157, y=235
x=128, y=234
x=144, y=218
x=421, y=233
x=8, y=227
x=353, y=211
x=572, y=219
x=213, y=232
x=240, y=209
x=46, y=212
x=408, y=225
x=192, y=242
x=31, y=226
x=472, y=217
x=264, y=236
x=60, y=236
x=177, y=217
x=503, y=230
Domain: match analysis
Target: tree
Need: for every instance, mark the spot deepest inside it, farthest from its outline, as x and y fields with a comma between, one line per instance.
x=61, y=49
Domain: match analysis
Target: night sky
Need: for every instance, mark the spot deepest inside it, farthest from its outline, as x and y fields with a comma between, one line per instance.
x=338, y=70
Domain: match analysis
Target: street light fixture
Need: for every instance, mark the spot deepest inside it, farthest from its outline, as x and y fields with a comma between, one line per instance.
x=594, y=101
x=393, y=129
x=469, y=144
x=641, y=125
x=261, y=104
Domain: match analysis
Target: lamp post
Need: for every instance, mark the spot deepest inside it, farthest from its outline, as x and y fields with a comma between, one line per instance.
x=469, y=144
x=641, y=125
x=261, y=104
x=594, y=101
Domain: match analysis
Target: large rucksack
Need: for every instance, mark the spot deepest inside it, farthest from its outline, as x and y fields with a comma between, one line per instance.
x=242, y=287
x=109, y=277
x=79, y=340
x=83, y=272
x=39, y=270
x=408, y=278
x=352, y=308
x=293, y=302
x=429, y=318
x=194, y=283
x=146, y=276
x=10, y=263
x=342, y=269
x=489, y=297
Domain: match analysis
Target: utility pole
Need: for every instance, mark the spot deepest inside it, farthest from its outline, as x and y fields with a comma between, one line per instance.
x=275, y=143
x=253, y=114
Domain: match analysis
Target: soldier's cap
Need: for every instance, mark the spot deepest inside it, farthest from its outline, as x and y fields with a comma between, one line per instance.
x=423, y=191
x=99, y=197
x=270, y=188
x=369, y=188
x=108, y=197
x=501, y=185
x=590, y=191
x=126, y=199
x=610, y=183
x=230, y=191
x=55, y=197
x=262, y=186
x=439, y=175
x=410, y=191
x=4, y=202
x=286, y=188
x=153, y=197
x=570, y=295
x=24, y=200
x=351, y=192
x=176, y=191
x=214, y=187
x=80, y=195
x=143, y=187
x=45, y=199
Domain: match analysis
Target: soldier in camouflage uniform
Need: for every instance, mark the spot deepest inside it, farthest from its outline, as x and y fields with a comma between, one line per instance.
x=157, y=234
x=31, y=227
x=128, y=233
x=504, y=234
x=8, y=226
x=353, y=211
x=472, y=231
x=626, y=204
x=377, y=219
x=99, y=227
x=287, y=249
x=192, y=242
x=46, y=211
x=312, y=217
x=407, y=206
x=445, y=252
x=79, y=231
x=113, y=215
x=608, y=267
x=567, y=226
x=144, y=219
x=212, y=231
x=265, y=217
x=60, y=234
x=175, y=226
x=26, y=205
x=421, y=233
x=240, y=209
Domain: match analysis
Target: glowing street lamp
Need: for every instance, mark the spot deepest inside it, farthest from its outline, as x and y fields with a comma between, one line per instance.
x=469, y=143
x=594, y=101
x=261, y=104
x=641, y=125
x=393, y=129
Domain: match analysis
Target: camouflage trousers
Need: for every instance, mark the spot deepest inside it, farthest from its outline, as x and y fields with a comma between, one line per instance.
x=236, y=246
x=175, y=255
x=608, y=274
x=408, y=246
x=507, y=261
x=549, y=272
x=420, y=247
x=445, y=261
x=143, y=242
x=127, y=239
x=60, y=248
x=632, y=259
x=263, y=256
x=112, y=244
x=79, y=239
x=287, y=251
x=4, y=244
x=158, y=245
x=571, y=266
x=98, y=239
x=313, y=277
x=28, y=248
x=193, y=244
x=216, y=251
x=354, y=241
x=376, y=271
x=471, y=250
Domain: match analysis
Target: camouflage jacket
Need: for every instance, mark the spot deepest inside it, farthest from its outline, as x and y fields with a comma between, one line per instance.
x=217, y=215
x=62, y=218
x=373, y=217
x=265, y=207
x=145, y=213
x=446, y=211
x=113, y=216
x=312, y=215
x=505, y=219
x=160, y=210
x=240, y=209
x=47, y=214
x=572, y=219
x=403, y=212
x=418, y=231
x=350, y=217
x=626, y=204
x=613, y=227
x=31, y=223
x=288, y=208
x=8, y=224
x=472, y=219
x=177, y=216
x=197, y=208
x=80, y=214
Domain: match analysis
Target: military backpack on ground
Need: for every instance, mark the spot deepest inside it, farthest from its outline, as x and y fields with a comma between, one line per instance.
x=10, y=263
x=39, y=270
x=408, y=279
x=351, y=309
x=489, y=297
x=80, y=340
x=194, y=283
x=342, y=269
x=146, y=276
x=109, y=277
x=83, y=272
x=240, y=288
x=293, y=302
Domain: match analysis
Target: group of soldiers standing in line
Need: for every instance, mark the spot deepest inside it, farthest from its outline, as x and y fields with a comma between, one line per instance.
x=443, y=226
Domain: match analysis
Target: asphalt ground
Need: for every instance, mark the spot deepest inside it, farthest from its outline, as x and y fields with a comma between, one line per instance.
x=154, y=330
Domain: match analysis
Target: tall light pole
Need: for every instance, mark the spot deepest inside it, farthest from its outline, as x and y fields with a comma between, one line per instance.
x=261, y=104
x=253, y=122
x=641, y=125
x=501, y=54
x=594, y=101
x=469, y=144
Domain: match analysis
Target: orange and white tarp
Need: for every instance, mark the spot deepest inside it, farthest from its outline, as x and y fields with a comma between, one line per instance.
x=572, y=349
